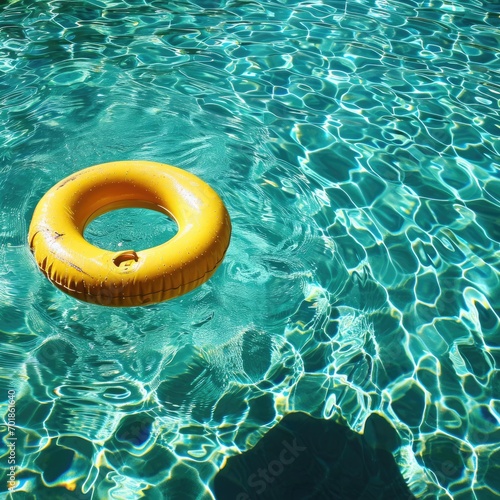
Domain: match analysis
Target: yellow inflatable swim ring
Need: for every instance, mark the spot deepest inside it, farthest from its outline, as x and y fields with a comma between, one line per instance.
x=129, y=278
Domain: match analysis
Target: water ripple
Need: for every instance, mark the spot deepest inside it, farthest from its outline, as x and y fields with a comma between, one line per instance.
x=356, y=146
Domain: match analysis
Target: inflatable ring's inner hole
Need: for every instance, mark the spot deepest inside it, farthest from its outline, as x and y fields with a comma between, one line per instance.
x=130, y=228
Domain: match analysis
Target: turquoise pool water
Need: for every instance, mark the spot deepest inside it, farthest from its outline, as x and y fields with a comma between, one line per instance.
x=356, y=145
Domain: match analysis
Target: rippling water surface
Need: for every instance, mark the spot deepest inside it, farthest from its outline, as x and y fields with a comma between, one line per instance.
x=356, y=146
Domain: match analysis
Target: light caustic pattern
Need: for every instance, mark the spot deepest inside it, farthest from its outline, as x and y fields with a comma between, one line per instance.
x=356, y=146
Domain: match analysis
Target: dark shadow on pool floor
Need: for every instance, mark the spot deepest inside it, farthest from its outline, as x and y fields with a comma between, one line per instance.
x=304, y=458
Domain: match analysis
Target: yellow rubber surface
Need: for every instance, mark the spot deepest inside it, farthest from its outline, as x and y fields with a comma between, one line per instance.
x=129, y=278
